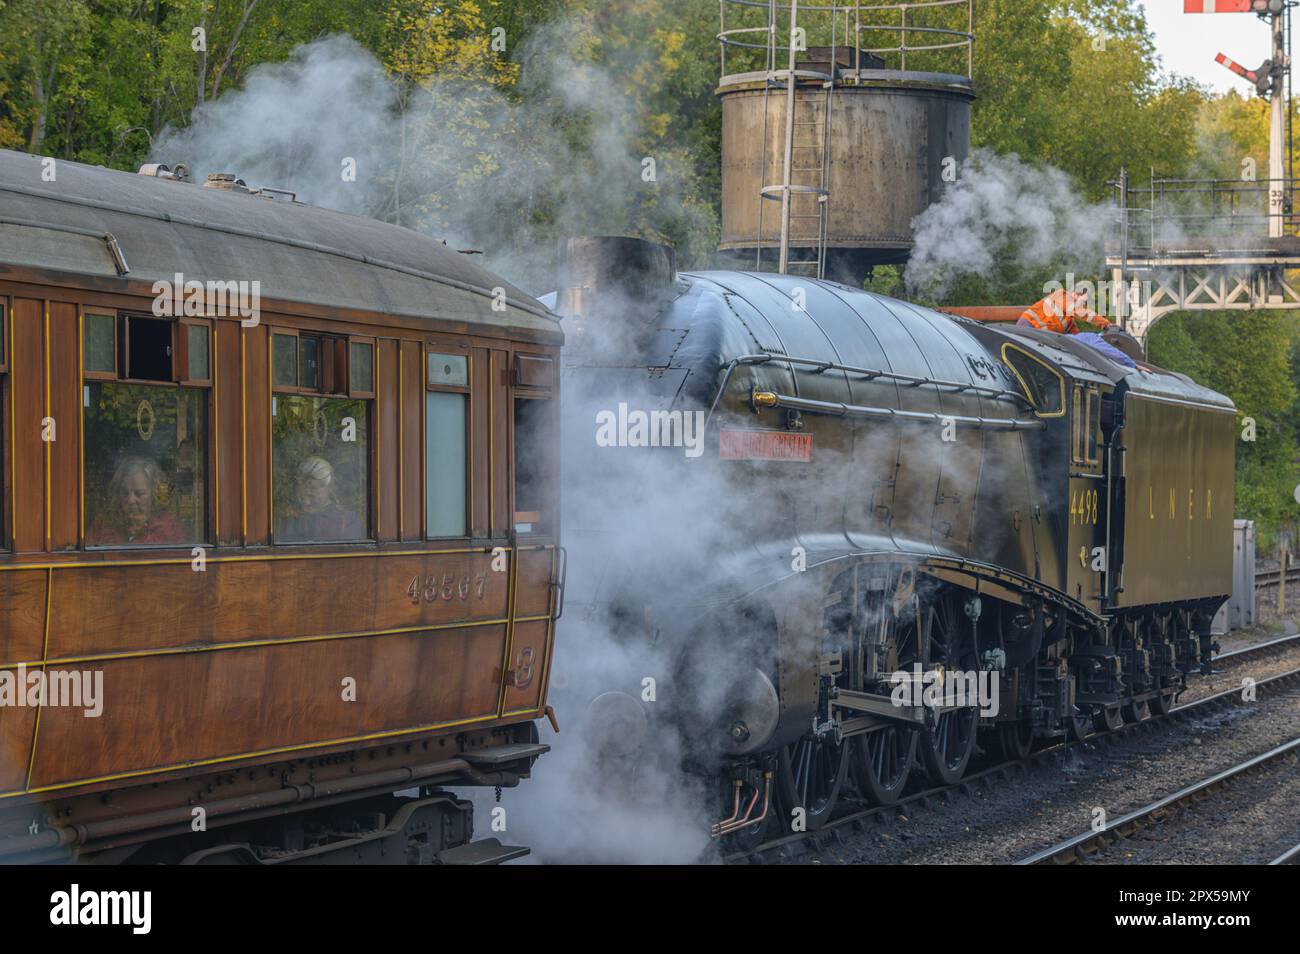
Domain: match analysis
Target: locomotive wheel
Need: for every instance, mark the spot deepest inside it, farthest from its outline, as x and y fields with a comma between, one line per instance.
x=1137, y=711
x=1110, y=718
x=1163, y=701
x=1079, y=727
x=882, y=760
x=946, y=749
x=1015, y=740
x=809, y=775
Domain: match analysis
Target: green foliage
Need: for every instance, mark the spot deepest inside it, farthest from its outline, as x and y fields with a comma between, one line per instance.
x=1073, y=84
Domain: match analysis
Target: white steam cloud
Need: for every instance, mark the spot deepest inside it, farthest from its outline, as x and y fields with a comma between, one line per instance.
x=1004, y=218
x=460, y=159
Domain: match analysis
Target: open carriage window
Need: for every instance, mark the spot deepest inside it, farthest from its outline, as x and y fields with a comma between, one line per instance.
x=320, y=436
x=145, y=405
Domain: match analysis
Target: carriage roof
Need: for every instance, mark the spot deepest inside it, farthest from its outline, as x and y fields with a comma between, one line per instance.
x=297, y=252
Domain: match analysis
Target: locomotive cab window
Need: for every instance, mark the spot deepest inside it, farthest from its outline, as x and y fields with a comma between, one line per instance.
x=1087, y=410
x=146, y=430
x=320, y=436
x=1042, y=384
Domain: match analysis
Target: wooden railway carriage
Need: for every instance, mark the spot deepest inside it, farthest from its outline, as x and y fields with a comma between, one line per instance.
x=284, y=481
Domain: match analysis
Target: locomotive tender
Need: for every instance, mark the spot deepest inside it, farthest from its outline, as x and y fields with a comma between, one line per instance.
x=308, y=546
x=893, y=494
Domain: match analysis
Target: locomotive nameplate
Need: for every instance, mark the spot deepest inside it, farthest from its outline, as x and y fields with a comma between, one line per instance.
x=764, y=445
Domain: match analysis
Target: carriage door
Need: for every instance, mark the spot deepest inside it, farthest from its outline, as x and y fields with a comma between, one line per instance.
x=1086, y=553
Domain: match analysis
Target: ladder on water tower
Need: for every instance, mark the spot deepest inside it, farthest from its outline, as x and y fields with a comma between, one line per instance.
x=809, y=178
x=808, y=210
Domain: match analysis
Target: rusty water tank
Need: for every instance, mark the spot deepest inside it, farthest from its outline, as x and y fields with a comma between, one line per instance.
x=876, y=165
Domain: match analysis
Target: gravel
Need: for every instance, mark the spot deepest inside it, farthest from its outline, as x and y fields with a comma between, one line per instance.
x=1252, y=821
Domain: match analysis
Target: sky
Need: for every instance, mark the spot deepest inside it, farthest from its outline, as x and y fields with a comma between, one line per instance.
x=1187, y=43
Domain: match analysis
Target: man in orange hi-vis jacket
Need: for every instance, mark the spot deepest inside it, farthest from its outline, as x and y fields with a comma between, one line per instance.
x=1061, y=312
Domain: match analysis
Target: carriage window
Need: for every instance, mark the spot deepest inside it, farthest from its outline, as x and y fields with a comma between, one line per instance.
x=1042, y=384
x=146, y=444
x=285, y=361
x=446, y=459
x=196, y=339
x=146, y=464
x=448, y=370
x=148, y=347
x=101, y=343
x=444, y=448
x=534, y=452
x=320, y=462
x=309, y=358
x=361, y=367
x=320, y=364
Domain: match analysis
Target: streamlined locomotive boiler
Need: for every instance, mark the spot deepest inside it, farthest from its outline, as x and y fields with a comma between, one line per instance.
x=884, y=499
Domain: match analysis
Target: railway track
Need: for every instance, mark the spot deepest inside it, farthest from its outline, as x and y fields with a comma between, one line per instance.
x=1089, y=844
x=1268, y=647
x=796, y=846
x=1290, y=857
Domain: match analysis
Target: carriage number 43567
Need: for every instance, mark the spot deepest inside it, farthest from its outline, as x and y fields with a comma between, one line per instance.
x=449, y=589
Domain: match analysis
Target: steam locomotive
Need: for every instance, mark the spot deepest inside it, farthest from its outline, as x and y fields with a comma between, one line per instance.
x=889, y=501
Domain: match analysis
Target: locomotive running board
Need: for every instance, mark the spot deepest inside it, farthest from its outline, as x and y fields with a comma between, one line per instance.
x=486, y=851
x=885, y=708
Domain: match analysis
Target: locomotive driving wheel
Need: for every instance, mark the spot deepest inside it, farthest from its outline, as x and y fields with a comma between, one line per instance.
x=1015, y=739
x=1164, y=697
x=1110, y=718
x=946, y=749
x=1137, y=711
x=881, y=759
x=810, y=773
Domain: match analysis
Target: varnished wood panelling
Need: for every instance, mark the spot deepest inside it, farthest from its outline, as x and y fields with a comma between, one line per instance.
x=65, y=408
x=229, y=419
x=412, y=440
x=502, y=421
x=257, y=433
x=479, y=442
x=27, y=390
x=16, y=726
x=163, y=711
x=533, y=595
x=105, y=610
x=387, y=412
x=528, y=654
x=22, y=614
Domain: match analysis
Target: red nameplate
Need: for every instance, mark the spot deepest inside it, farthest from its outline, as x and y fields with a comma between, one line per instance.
x=764, y=445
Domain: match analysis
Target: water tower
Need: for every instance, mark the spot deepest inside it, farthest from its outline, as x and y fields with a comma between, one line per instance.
x=840, y=119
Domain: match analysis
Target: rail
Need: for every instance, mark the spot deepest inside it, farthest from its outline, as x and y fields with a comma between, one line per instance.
x=856, y=819
x=1080, y=847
